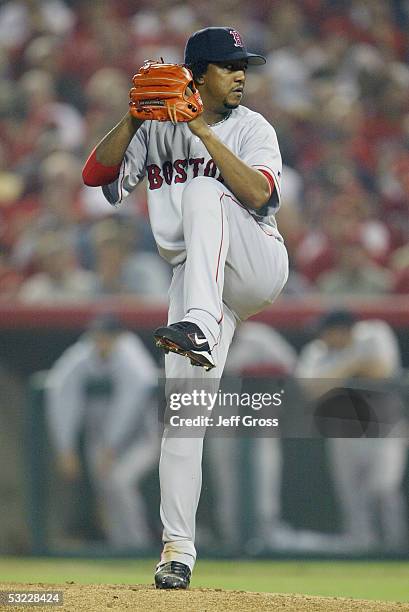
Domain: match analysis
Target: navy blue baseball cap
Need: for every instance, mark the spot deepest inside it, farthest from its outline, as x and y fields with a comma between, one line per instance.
x=107, y=322
x=218, y=45
x=336, y=318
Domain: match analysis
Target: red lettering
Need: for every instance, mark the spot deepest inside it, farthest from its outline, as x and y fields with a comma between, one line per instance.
x=210, y=169
x=237, y=38
x=167, y=169
x=180, y=166
x=154, y=177
x=196, y=162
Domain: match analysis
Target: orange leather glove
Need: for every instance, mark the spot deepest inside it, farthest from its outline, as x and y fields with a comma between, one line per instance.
x=164, y=92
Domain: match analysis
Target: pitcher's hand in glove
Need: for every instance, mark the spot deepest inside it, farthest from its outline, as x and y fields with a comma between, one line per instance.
x=164, y=92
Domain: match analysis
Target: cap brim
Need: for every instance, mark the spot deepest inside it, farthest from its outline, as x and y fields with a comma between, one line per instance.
x=256, y=60
x=252, y=58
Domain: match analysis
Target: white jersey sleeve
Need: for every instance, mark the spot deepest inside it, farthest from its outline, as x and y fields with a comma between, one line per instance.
x=65, y=396
x=260, y=149
x=312, y=359
x=372, y=340
x=133, y=169
x=258, y=344
x=376, y=340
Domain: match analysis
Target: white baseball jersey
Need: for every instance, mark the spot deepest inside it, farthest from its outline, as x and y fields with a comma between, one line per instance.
x=372, y=339
x=258, y=344
x=367, y=472
x=109, y=419
x=170, y=156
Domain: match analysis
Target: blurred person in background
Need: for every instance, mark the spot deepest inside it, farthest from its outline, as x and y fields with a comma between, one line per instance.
x=354, y=273
x=55, y=207
x=43, y=116
x=46, y=53
x=10, y=279
x=58, y=278
x=105, y=92
x=367, y=472
x=110, y=254
x=400, y=267
x=121, y=271
x=349, y=220
x=395, y=184
x=21, y=19
x=103, y=386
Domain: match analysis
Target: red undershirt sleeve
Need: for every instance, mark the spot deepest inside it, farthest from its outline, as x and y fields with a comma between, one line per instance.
x=95, y=174
x=269, y=178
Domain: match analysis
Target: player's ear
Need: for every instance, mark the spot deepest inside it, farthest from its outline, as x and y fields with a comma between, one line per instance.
x=199, y=69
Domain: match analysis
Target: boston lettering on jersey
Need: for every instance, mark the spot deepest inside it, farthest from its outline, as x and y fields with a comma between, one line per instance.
x=177, y=171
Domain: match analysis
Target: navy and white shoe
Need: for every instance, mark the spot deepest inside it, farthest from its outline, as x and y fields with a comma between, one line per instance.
x=185, y=339
x=172, y=575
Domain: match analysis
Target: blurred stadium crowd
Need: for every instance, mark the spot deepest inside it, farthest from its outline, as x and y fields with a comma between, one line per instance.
x=336, y=88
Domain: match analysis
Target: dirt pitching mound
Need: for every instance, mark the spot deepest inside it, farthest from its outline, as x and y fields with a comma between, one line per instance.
x=94, y=598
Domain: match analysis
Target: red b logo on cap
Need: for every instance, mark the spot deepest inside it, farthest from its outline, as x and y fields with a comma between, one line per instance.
x=237, y=38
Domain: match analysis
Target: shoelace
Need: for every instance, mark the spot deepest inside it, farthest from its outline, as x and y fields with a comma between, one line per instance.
x=184, y=325
x=180, y=569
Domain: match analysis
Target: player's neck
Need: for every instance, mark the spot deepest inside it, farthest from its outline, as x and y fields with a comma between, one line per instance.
x=213, y=117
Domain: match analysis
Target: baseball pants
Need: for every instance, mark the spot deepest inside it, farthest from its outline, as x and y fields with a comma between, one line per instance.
x=233, y=268
x=124, y=509
x=368, y=475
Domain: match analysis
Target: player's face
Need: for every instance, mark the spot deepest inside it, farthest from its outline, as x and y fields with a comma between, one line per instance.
x=337, y=338
x=224, y=84
x=104, y=343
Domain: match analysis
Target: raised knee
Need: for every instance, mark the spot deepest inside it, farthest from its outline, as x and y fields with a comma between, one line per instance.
x=203, y=189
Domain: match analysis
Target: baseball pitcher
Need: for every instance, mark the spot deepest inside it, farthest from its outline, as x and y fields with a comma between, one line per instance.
x=213, y=170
